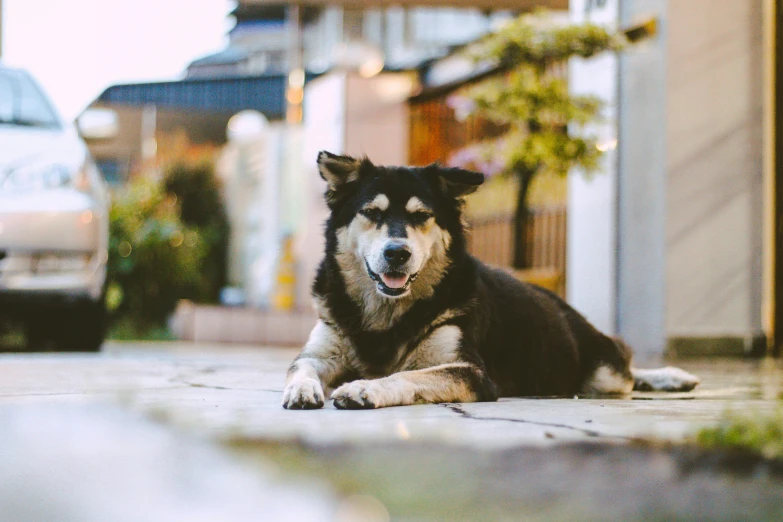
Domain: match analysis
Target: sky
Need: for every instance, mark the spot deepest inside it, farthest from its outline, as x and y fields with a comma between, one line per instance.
x=77, y=48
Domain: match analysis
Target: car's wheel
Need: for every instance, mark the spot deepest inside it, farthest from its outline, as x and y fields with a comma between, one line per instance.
x=38, y=332
x=81, y=328
x=78, y=327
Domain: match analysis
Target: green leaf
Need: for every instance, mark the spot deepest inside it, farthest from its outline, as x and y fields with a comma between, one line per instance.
x=546, y=125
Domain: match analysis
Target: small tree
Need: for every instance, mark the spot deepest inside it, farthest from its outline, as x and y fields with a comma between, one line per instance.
x=545, y=123
x=154, y=258
x=197, y=190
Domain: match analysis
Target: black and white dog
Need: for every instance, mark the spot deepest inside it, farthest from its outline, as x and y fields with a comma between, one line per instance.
x=407, y=316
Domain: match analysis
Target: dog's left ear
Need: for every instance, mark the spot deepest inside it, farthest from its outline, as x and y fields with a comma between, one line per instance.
x=455, y=182
x=336, y=170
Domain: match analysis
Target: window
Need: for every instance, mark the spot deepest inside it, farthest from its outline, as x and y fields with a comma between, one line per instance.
x=113, y=170
x=23, y=103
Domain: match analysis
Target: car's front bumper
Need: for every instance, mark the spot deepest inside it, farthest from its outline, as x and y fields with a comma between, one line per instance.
x=86, y=282
x=52, y=245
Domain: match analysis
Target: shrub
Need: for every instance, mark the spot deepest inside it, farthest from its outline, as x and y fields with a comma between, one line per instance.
x=154, y=258
x=197, y=191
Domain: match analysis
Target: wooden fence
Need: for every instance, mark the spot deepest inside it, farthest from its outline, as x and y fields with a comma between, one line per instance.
x=436, y=134
x=490, y=239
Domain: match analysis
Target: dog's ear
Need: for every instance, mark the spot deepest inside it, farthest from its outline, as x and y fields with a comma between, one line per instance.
x=336, y=170
x=455, y=182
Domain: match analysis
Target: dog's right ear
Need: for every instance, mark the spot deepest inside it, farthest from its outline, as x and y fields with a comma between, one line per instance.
x=336, y=170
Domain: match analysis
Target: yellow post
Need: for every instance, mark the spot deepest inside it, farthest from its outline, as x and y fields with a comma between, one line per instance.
x=285, y=290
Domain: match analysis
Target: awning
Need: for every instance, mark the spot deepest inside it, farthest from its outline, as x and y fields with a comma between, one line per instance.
x=265, y=94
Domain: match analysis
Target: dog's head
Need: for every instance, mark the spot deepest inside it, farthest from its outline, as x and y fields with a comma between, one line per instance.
x=394, y=224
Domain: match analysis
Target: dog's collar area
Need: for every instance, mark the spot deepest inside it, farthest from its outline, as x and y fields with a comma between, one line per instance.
x=391, y=292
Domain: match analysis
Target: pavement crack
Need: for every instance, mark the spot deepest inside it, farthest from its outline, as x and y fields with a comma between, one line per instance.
x=201, y=385
x=590, y=433
x=184, y=382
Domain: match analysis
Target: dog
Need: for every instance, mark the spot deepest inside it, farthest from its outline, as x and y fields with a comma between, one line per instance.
x=407, y=316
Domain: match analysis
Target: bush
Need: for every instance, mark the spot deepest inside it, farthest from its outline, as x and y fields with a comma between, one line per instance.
x=154, y=258
x=197, y=191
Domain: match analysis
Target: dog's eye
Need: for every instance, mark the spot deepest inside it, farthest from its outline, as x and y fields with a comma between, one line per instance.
x=420, y=216
x=373, y=214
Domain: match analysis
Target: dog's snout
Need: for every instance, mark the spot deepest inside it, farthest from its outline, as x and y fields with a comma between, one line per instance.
x=396, y=253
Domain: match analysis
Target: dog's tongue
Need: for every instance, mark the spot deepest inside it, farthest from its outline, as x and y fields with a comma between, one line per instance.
x=393, y=280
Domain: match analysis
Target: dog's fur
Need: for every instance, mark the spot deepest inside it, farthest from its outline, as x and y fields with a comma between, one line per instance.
x=433, y=324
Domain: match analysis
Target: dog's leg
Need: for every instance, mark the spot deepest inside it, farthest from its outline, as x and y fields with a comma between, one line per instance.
x=317, y=367
x=668, y=379
x=610, y=380
x=452, y=382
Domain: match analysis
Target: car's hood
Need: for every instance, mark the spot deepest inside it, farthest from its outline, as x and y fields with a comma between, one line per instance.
x=22, y=145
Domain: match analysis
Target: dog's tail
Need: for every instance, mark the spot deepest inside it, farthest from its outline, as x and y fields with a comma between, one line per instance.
x=669, y=379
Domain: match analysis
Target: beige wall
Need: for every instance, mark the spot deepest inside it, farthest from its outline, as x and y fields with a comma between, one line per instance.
x=126, y=145
x=344, y=113
x=376, y=117
x=714, y=212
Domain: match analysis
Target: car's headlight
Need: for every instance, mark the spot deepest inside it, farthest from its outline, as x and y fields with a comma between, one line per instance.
x=40, y=176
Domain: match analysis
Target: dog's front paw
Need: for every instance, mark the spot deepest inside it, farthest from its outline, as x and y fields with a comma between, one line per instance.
x=676, y=379
x=357, y=395
x=667, y=379
x=306, y=394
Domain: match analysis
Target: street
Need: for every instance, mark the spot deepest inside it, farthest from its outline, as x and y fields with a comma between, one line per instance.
x=89, y=432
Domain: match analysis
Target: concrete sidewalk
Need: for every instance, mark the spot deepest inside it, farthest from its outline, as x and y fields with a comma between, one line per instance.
x=141, y=431
x=228, y=391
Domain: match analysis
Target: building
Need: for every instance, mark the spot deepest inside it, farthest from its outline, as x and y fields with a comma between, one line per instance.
x=252, y=72
x=673, y=246
x=334, y=35
x=676, y=247
x=186, y=117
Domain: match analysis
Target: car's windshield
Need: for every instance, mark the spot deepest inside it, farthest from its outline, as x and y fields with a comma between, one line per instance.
x=22, y=103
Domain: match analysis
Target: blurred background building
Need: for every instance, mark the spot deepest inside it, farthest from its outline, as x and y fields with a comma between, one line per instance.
x=668, y=248
x=333, y=35
x=672, y=246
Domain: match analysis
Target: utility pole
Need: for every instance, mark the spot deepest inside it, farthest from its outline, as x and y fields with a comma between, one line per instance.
x=296, y=75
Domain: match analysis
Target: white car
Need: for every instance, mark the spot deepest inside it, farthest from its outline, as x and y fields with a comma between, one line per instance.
x=53, y=222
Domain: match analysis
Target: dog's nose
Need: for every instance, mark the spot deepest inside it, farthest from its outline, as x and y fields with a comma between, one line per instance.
x=396, y=253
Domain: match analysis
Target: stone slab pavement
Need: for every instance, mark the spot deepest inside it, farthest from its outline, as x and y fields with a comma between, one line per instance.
x=228, y=391
x=73, y=462
x=140, y=431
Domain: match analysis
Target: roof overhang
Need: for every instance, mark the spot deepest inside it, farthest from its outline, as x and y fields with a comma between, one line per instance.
x=518, y=5
x=265, y=94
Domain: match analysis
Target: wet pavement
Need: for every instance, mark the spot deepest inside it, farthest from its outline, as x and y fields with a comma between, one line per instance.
x=136, y=403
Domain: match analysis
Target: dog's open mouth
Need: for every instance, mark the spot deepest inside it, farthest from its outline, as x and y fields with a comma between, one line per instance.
x=393, y=284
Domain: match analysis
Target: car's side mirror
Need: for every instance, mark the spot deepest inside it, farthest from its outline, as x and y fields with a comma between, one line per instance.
x=98, y=124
